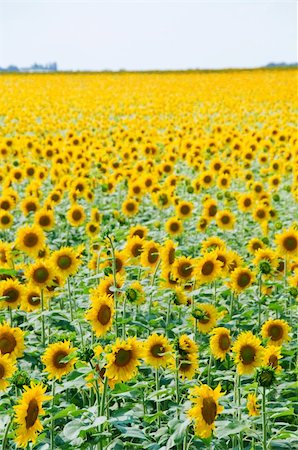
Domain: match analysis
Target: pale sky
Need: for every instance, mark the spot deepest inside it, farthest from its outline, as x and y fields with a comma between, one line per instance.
x=144, y=35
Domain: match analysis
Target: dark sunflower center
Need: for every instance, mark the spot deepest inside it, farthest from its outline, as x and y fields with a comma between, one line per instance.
x=41, y=275
x=222, y=259
x=206, y=318
x=209, y=410
x=207, y=268
x=123, y=357
x=212, y=210
x=34, y=299
x=136, y=250
x=44, y=221
x=32, y=413
x=256, y=246
x=260, y=213
x=171, y=256
x=174, y=226
x=130, y=206
x=156, y=350
x=5, y=220
x=64, y=262
x=30, y=240
x=225, y=219
x=92, y=228
x=184, y=270
x=3, y=258
x=5, y=205
x=12, y=294
x=275, y=332
x=247, y=202
x=7, y=343
x=104, y=314
x=243, y=279
x=153, y=255
x=247, y=354
x=224, y=342
x=185, y=209
x=290, y=243
x=118, y=264
x=76, y=215
x=2, y=371
x=31, y=206
x=60, y=354
x=207, y=179
x=139, y=233
x=273, y=361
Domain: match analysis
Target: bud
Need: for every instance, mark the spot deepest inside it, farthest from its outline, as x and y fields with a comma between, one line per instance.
x=276, y=197
x=265, y=267
x=265, y=376
x=86, y=354
x=219, y=196
x=108, y=271
x=293, y=291
x=265, y=240
x=132, y=295
x=190, y=190
x=278, y=225
x=199, y=314
x=20, y=379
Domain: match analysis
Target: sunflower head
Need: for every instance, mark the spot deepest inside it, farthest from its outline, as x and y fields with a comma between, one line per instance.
x=266, y=376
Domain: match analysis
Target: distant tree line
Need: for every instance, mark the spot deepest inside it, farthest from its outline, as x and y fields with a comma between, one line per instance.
x=51, y=67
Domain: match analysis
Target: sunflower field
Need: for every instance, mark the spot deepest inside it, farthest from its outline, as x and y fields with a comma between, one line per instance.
x=148, y=260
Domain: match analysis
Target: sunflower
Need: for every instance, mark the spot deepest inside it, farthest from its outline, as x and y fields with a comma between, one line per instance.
x=157, y=351
x=65, y=261
x=123, y=359
x=5, y=254
x=210, y=208
x=40, y=273
x=92, y=229
x=202, y=224
x=225, y=220
x=208, y=268
x=248, y=353
x=13, y=291
x=150, y=255
x=276, y=330
x=184, y=209
x=261, y=214
x=6, y=220
x=225, y=259
x=268, y=255
x=11, y=341
x=245, y=202
x=241, y=279
x=31, y=300
x=288, y=242
x=206, y=316
x=76, y=215
x=138, y=230
x=184, y=268
x=220, y=342
x=167, y=254
x=179, y=297
x=27, y=412
x=205, y=409
x=53, y=356
x=130, y=207
x=106, y=286
x=7, y=369
x=271, y=357
x=29, y=204
x=30, y=239
x=134, y=247
x=135, y=293
x=174, y=226
x=120, y=262
x=252, y=405
x=101, y=315
x=45, y=219
x=213, y=243
x=254, y=245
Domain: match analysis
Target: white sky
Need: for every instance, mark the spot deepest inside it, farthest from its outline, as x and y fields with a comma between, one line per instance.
x=139, y=35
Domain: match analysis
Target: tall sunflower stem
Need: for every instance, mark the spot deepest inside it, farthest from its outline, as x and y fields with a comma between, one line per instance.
x=115, y=282
x=123, y=318
x=70, y=299
x=168, y=316
x=264, y=425
x=157, y=399
x=152, y=284
x=10, y=316
x=103, y=405
x=52, y=418
x=177, y=383
x=259, y=300
x=209, y=370
x=43, y=334
x=5, y=436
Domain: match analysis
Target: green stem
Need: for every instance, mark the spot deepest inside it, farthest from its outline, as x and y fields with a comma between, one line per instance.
x=123, y=318
x=102, y=406
x=152, y=284
x=264, y=440
x=5, y=436
x=43, y=334
x=157, y=399
x=70, y=300
x=168, y=316
x=10, y=316
x=52, y=419
x=209, y=371
x=115, y=283
x=259, y=300
x=177, y=381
